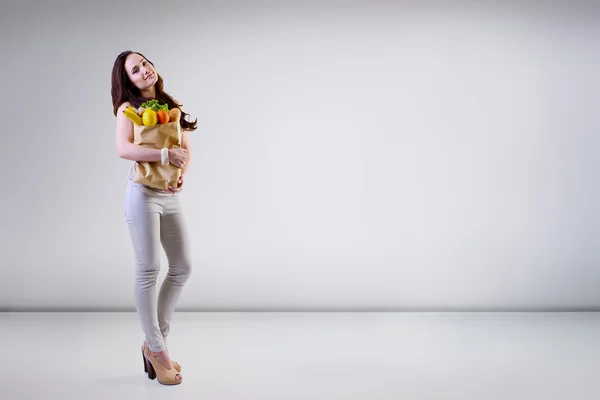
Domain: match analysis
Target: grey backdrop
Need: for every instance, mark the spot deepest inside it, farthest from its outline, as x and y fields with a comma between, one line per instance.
x=349, y=156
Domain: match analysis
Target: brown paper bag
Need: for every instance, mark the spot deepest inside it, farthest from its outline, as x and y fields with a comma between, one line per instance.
x=154, y=174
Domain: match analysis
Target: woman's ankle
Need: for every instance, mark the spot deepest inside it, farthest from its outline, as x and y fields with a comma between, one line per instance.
x=158, y=349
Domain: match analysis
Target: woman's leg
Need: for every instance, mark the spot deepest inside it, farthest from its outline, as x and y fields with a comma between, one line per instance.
x=175, y=241
x=142, y=213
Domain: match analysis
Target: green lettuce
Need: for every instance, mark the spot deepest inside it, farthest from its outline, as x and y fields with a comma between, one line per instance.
x=154, y=105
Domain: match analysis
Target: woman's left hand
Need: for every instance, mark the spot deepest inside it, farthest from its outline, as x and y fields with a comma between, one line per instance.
x=179, y=187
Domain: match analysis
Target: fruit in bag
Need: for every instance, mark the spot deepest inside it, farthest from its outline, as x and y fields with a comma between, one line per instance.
x=162, y=116
x=132, y=115
x=149, y=117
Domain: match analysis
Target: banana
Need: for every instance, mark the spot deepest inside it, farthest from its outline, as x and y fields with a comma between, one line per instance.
x=132, y=115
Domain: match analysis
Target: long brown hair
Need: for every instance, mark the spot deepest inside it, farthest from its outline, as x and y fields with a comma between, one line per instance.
x=123, y=90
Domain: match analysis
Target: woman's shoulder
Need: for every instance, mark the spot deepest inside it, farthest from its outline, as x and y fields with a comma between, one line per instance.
x=123, y=106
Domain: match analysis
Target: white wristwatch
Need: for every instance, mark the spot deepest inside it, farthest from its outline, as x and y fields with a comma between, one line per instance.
x=164, y=156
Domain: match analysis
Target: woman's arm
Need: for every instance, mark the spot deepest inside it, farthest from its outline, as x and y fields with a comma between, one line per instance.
x=125, y=146
x=185, y=144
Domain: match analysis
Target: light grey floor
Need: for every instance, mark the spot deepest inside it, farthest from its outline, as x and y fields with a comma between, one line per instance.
x=308, y=356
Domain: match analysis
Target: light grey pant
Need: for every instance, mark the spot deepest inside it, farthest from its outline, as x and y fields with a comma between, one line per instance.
x=153, y=219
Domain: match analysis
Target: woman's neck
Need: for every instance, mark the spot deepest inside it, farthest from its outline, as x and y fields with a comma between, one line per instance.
x=149, y=93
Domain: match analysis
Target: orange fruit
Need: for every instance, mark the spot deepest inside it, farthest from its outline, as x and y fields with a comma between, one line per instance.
x=162, y=116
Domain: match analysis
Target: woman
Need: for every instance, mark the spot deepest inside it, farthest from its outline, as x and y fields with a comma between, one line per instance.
x=154, y=216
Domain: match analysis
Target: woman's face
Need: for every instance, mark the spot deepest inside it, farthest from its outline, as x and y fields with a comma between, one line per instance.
x=139, y=70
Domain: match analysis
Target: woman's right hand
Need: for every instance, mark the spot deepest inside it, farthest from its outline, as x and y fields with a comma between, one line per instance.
x=178, y=157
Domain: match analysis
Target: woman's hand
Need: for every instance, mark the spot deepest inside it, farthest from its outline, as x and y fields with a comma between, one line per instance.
x=179, y=187
x=178, y=157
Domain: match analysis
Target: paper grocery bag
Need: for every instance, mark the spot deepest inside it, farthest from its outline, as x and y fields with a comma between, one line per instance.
x=154, y=174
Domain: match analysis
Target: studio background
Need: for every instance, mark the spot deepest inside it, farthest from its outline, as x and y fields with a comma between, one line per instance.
x=349, y=155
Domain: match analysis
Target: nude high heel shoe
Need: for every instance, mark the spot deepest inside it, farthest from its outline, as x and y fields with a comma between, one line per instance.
x=155, y=369
x=148, y=367
x=174, y=363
